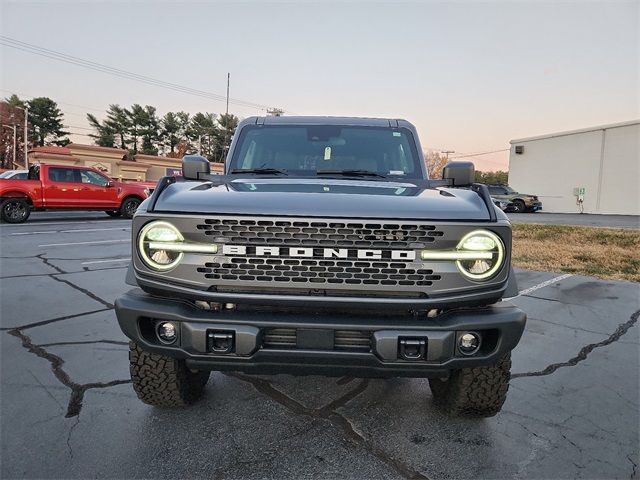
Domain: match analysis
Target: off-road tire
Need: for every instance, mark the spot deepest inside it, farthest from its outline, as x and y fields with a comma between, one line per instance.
x=129, y=207
x=519, y=206
x=14, y=210
x=164, y=381
x=113, y=213
x=474, y=392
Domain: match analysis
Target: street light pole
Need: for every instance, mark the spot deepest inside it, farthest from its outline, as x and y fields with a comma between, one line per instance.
x=228, y=80
x=26, y=140
x=15, y=142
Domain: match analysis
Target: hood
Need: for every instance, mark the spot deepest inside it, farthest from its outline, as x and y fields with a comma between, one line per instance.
x=322, y=198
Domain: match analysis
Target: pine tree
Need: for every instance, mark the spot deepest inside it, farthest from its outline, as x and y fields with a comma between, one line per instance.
x=45, y=120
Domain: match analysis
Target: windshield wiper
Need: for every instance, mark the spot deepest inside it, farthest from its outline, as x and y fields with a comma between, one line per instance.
x=351, y=173
x=259, y=171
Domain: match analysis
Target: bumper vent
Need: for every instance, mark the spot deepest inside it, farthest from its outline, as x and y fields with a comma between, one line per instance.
x=343, y=340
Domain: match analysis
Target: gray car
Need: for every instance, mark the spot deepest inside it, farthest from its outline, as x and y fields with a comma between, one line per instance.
x=323, y=249
x=517, y=202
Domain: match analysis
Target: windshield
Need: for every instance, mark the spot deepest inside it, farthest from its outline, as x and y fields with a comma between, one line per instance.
x=14, y=174
x=327, y=150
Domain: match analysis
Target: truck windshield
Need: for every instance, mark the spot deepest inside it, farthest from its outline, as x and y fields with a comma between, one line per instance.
x=327, y=150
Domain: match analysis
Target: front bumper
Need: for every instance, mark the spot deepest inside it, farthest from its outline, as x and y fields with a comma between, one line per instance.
x=535, y=206
x=501, y=326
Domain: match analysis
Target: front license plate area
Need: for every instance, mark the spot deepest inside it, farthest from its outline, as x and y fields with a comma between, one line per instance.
x=314, y=339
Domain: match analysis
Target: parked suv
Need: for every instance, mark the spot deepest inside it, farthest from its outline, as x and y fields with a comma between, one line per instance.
x=518, y=202
x=323, y=249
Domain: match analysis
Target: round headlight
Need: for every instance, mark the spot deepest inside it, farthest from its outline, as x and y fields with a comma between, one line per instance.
x=490, y=255
x=150, y=245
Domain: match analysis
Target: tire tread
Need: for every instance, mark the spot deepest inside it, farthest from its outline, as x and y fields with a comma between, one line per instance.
x=164, y=381
x=474, y=392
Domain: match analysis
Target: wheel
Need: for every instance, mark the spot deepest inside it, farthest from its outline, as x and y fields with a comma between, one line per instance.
x=129, y=207
x=164, y=381
x=474, y=392
x=15, y=210
x=519, y=206
x=113, y=213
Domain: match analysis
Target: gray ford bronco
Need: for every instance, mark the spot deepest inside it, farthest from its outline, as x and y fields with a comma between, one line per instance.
x=322, y=249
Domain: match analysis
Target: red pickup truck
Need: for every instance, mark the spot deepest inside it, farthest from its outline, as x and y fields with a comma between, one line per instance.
x=64, y=187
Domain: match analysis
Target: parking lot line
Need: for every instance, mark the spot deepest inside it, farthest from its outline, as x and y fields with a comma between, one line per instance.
x=37, y=224
x=84, y=230
x=94, y=230
x=83, y=243
x=110, y=260
x=31, y=233
x=543, y=284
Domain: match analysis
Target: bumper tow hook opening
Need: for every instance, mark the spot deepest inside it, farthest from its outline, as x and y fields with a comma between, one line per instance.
x=221, y=342
x=412, y=349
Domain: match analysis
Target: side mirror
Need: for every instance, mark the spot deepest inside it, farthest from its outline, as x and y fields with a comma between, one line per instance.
x=110, y=184
x=462, y=174
x=193, y=166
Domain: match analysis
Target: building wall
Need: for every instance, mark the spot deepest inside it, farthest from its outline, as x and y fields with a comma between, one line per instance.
x=605, y=162
x=620, y=191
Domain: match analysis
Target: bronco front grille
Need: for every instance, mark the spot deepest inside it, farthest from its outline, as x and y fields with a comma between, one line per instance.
x=319, y=234
x=318, y=271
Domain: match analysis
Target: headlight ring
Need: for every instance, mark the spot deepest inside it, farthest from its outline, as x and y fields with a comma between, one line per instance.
x=490, y=250
x=479, y=255
x=161, y=246
x=156, y=245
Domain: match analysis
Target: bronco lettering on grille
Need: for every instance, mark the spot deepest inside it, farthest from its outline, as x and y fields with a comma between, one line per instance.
x=308, y=252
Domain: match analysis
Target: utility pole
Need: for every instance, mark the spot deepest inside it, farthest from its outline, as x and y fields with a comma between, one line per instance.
x=199, y=144
x=228, y=81
x=447, y=152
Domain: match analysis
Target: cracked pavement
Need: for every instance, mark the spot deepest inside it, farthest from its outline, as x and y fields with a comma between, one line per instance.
x=68, y=411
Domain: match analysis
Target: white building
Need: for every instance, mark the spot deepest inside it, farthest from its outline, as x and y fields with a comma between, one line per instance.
x=601, y=165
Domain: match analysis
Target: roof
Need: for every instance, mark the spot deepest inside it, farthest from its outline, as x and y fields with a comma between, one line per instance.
x=574, y=132
x=96, y=148
x=320, y=120
x=52, y=149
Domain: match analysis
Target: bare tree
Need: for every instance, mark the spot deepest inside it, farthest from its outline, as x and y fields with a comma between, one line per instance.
x=435, y=163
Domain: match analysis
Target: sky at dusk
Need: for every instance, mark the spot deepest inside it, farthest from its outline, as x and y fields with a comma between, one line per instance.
x=470, y=75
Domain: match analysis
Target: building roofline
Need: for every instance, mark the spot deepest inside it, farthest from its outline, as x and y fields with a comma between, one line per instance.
x=574, y=132
x=95, y=148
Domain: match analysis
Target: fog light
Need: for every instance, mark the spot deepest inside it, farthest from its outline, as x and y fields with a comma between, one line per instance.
x=469, y=343
x=167, y=332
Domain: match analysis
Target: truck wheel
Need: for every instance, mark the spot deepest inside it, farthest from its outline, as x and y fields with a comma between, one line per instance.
x=164, y=381
x=474, y=392
x=15, y=210
x=113, y=213
x=129, y=207
x=518, y=206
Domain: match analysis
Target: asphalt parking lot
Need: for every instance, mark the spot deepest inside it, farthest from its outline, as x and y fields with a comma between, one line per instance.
x=68, y=410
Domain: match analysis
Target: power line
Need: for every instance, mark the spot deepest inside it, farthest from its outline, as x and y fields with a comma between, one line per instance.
x=482, y=153
x=52, y=54
x=22, y=94
x=30, y=48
